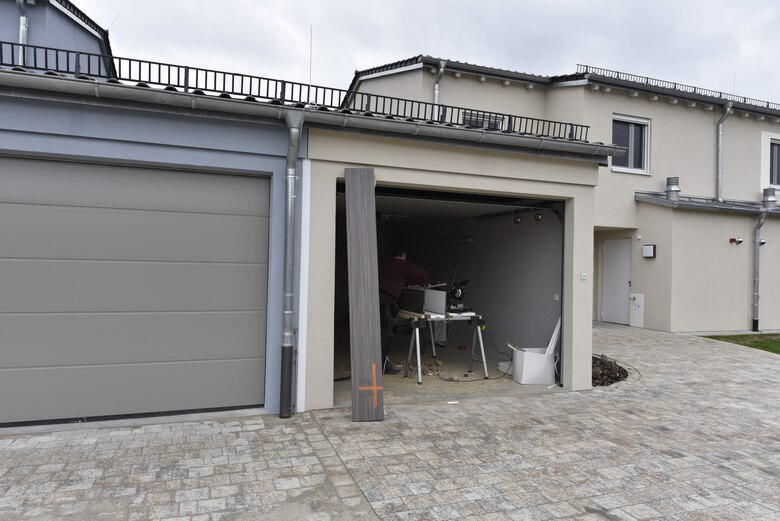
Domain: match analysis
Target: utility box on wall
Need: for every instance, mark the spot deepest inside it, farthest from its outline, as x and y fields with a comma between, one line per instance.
x=636, y=311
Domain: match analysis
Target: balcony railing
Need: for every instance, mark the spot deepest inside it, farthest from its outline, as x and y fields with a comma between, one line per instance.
x=680, y=87
x=195, y=80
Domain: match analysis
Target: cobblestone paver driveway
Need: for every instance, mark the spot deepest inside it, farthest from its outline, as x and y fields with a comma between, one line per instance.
x=693, y=435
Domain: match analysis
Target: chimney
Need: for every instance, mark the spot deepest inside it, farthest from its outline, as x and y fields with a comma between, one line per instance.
x=769, y=200
x=673, y=188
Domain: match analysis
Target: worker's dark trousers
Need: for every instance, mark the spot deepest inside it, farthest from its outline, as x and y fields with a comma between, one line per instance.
x=386, y=327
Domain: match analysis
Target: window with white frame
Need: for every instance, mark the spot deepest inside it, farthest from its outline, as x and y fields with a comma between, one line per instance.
x=632, y=133
x=774, y=163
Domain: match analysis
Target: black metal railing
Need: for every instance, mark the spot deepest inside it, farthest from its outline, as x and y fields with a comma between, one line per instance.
x=196, y=80
x=680, y=87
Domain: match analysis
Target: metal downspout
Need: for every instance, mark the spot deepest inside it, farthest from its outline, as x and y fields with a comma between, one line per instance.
x=294, y=122
x=719, y=168
x=769, y=202
x=23, y=27
x=756, y=264
x=436, y=90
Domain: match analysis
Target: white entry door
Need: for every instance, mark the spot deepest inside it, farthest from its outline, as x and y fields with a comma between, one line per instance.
x=616, y=281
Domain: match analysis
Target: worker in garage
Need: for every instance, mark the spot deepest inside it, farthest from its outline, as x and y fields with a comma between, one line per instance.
x=395, y=274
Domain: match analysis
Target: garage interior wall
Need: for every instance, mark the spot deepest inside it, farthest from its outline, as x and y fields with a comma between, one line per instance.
x=513, y=269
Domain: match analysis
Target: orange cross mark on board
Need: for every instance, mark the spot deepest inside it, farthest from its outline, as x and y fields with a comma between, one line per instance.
x=374, y=387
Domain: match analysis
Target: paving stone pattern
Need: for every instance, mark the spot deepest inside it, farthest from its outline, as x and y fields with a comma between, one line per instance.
x=694, y=434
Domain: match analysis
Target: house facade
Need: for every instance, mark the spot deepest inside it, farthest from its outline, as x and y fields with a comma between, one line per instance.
x=708, y=245
x=173, y=238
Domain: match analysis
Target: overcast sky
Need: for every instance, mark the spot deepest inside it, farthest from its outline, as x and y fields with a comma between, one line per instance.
x=724, y=45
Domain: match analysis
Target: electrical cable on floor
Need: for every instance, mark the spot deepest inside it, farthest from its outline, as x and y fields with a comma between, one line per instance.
x=503, y=375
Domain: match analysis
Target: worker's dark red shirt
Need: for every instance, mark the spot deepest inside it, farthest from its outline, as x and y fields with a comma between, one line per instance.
x=397, y=273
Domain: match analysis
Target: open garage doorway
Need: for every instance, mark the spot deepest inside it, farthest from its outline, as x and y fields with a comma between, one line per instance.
x=506, y=253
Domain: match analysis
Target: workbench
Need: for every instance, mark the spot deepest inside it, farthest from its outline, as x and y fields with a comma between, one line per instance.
x=418, y=320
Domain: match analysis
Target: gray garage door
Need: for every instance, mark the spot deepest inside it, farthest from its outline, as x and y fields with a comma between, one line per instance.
x=126, y=290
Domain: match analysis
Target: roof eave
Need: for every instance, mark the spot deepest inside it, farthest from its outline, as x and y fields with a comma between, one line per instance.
x=91, y=92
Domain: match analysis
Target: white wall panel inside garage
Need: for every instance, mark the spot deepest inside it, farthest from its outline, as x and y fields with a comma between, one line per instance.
x=126, y=290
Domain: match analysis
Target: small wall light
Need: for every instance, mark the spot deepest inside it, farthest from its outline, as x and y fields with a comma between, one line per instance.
x=538, y=216
x=736, y=240
x=648, y=251
x=518, y=219
x=761, y=242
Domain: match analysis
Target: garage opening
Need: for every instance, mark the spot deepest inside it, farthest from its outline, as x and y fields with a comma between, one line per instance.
x=496, y=256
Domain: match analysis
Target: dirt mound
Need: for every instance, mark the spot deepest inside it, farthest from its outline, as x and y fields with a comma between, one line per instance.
x=607, y=371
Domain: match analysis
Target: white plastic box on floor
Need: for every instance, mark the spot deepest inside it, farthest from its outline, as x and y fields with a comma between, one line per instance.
x=533, y=366
x=536, y=365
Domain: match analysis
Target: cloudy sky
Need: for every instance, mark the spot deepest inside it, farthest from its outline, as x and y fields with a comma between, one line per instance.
x=725, y=45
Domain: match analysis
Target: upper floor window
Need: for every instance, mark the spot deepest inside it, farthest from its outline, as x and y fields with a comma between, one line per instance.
x=632, y=133
x=774, y=163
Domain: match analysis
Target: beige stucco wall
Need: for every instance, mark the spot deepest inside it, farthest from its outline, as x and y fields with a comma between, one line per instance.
x=745, y=161
x=653, y=277
x=415, y=84
x=769, y=302
x=568, y=104
x=491, y=95
x=411, y=163
x=698, y=281
x=465, y=91
x=682, y=138
x=711, y=278
x=682, y=143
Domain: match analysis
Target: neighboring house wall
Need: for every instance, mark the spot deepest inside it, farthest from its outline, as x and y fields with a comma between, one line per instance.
x=464, y=91
x=49, y=26
x=492, y=96
x=690, y=267
x=681, y=141
x=746, y=156
x=419, y=164
x=769, y=309
x=9, y=21
x=415, y=84
x=699, y=280
x=711, y=278
x=653, y=277
x=566, y=104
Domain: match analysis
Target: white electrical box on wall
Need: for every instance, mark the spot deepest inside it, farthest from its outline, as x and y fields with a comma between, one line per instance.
x=636, y=312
